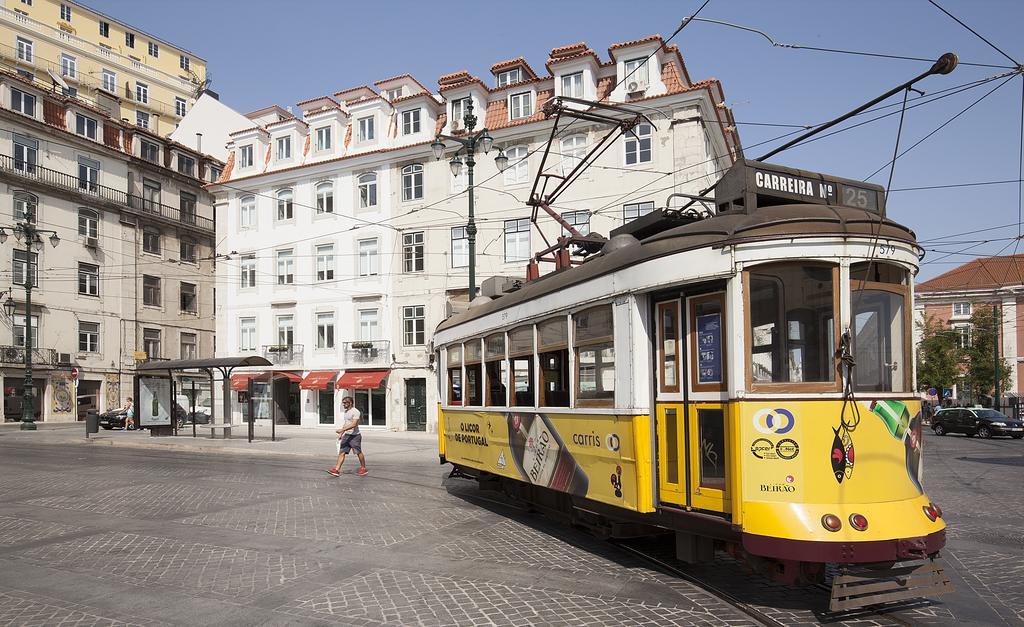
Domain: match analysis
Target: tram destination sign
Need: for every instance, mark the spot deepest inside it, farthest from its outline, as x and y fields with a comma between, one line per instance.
x=752, y=184
x=817, y=190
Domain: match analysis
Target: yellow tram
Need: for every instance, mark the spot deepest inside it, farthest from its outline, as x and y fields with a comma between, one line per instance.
x=743, y=378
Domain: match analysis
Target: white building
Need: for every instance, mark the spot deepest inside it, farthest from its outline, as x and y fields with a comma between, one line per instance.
x=347, y=239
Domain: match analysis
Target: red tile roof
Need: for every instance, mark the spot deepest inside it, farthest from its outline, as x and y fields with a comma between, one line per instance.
x=635, y=42
x=225, y=175
x=309, y=100
x=394, y=78
x=511, y=63
x=987, y=273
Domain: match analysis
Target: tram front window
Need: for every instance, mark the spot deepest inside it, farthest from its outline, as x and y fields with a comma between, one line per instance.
x=792, y=323
x=879, y=294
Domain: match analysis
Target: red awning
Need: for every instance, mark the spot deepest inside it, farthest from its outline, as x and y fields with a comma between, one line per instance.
x=294, y=377
x=318, y=380
x=240, y=382
x=361, y=379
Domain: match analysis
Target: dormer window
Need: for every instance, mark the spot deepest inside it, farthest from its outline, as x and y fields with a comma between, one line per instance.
x=394, y=94
x=510, y=77
x=366, y=129
x=85, y=126
x=245, y=156
x=284, y=148
x=459, y=111
x=410, y=121
x=636, y=77
x=186, y=165
x=23, y=103
x=572, y=85
x=520, y=105
x=323, y=138
x=149, y=151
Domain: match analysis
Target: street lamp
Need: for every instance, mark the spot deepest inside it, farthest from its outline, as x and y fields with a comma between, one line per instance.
x=463, y=156
x=26, y=233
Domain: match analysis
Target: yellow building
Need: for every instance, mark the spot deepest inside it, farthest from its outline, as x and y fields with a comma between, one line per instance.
x=124, y=71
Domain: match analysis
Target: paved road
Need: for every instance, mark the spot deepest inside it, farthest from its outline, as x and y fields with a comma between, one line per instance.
x=109, y=535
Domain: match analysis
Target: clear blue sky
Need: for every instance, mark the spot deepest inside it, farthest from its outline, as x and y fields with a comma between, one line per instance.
x=263, y=52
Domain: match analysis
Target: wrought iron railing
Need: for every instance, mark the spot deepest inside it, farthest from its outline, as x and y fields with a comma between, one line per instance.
x=16, y=355
x=70, y=182
x=374, y=352
x=282, y=354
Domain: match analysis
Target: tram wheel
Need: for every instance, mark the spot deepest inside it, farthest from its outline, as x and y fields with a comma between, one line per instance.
x=984, y=432
x=940, y=430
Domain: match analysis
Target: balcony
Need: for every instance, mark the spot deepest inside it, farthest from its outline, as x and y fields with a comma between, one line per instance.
x=283, y=354
x=46, y=357
x=368, y=353
x=72, y=183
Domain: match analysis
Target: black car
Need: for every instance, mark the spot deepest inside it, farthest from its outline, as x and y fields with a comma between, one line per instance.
x=971, y=421
x=115, y=420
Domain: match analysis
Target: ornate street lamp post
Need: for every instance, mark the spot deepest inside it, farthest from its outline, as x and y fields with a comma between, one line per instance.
x=464, y=156
x=27, y=233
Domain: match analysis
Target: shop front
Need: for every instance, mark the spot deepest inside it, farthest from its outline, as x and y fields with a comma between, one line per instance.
x=369, y=395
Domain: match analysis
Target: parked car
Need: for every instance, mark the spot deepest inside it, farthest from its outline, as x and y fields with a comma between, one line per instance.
x=115, y=420
x=978, y=421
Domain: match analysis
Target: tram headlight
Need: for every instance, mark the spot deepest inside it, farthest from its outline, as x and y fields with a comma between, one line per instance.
x=859, y=522
x=831, y=522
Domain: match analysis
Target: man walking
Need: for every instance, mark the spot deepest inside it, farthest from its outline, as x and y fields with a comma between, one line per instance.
x=351, y=441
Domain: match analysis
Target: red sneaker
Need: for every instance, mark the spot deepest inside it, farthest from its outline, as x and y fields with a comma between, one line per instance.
x=333, y=472
x=362, y=471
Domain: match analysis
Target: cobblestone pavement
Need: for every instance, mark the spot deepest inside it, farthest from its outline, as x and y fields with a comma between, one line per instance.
x=107, y=536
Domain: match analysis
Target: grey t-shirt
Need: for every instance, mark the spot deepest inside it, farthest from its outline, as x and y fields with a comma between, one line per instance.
x=349, y=416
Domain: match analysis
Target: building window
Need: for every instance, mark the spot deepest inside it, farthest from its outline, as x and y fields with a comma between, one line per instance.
x=186, y=165
x=129, y=40
x=325, y=197
x=154, y=50
x=19, y=331
x=520, y=105
x=638, y=144
x=572, y=85
x=150, y=195
x=247, y=269
x=88, y=279
x=394, y=94
x=179, y=106
x=25, y=205
x=284, y=205
x=414, y=325
x=962, y=309
x=285, y=267
x=245, y=156
x=518, y=169
x=184, y=62
x=636, y=72
x=367, y=190
x=573, y=150
x=188, y=249
x=108, y=80
x=634, y=210
x=26, y=263
x=141, y=92
x=579, y=220
x=24, y=49
x=325, y=262
x=323, y=138
x=142, y=119
x=26, y=153
x=104, y=29
x=68, y=66
x=369, y=264
x=286, y=330
x=963, y=335
x=366, y=129
x=151, y=291
x=325, y=330
x=247, y=334
x=412, y=182
x=23, y=103
x=65, y=12
x=284, y=148
x=189, y=346
x=410, y=121
x=151, y=241
x=368, y=323
x=88, y=337
x=509, y=77
x=88, y=223
x=459, y=111
x=188, y=297
x=149, y=151
x=517, y=240
x=187, y=207
x=84, y=126
x=247, y=213
x=151, y=343
x=460, y=247
x=412, y=252
x=215, y=173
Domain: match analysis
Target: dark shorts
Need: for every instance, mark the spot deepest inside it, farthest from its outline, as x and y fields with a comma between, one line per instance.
x=352, y=443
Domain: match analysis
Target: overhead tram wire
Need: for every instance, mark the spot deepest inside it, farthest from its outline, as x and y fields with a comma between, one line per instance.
x=1020, y=170
x=976, y=33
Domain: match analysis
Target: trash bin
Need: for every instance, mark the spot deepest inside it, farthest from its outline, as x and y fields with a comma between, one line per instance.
x=92, y=422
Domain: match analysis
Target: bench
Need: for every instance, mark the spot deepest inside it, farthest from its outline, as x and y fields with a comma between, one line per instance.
x=226, y=428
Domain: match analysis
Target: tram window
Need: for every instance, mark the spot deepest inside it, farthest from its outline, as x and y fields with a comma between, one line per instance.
x=711, y=423
x=879, y=293
x=455, y=375
x=497, y=370
x=520, y=350
x=595, y=357
x=553, y=350
x=474, y=373
x=671, y=446
x=792, y=323
x=708, y=350
x=668, y=346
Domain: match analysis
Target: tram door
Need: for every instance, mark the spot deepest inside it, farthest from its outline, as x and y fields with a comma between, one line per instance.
x=692, y=408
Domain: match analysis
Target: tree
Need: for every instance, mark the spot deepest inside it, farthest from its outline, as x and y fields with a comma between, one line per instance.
x=979, y=356
x=938, y=358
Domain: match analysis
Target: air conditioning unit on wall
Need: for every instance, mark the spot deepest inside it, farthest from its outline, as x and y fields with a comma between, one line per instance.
x=635, y=85
x=63, y=359
x=92, y=242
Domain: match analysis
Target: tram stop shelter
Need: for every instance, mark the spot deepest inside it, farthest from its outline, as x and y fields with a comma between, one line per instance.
x=223, y=365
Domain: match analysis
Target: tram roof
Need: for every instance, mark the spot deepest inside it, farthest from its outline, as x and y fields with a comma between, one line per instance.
x=767, y=223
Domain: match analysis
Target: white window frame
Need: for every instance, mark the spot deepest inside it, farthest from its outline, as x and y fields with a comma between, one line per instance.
x=88, y=223
x=88, y=279
x=21, y=267
x=642, y=73
x=369, y=324
x=247, y=271
x=68, y=66
x=367, y=129
x=518, y=170
x=65, y=12
x=325, y=330
x=26, y=153
x=633, y=210
x=325, y=262
x=285, y=205
x=247, y=334
x=368, y=251
x=86, y=126
x=141, y=92
x=414, y=327
x=411, y=121
x=510, y=77
x=157, y=288
x=195, y=298
x=459, y=247
x=26, y=102
x=580, y=220
x=571, y=85
x=88, y=336
x=19, y=322
x=285, y=266
x=183, y=337
x=323, y=138
x=109, y=81
x=25, y=49
x=964, y=312
x=247, y=212
x=286, y=330
x=366, y=186
x=412, y=182
x=324, y=197
x=149, y=232
x=246, y=156
x=520, y=105
x=25, y=206
x=459, y=109
x=284, y=148
x=572, y=149
x=634, y=144
x=517, y=245
x=154, y=50
x=413, y=252
x=142, y=119
x=184, y=62
x=180, y=105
